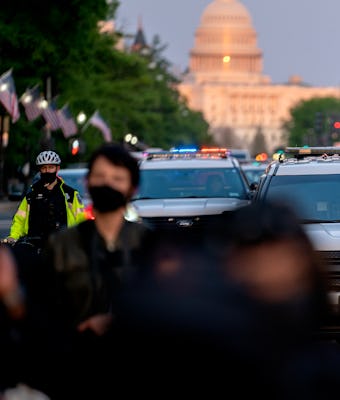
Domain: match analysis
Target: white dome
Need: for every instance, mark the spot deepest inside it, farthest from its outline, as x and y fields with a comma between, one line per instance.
x=225, y=13
x=226, y=44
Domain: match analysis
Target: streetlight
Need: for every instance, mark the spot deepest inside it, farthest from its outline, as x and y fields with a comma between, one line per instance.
x=81, y=117
x=134, y=140
x=43, y=104
x=128, y=137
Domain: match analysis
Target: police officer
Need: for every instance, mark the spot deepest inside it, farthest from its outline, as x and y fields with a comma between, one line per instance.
x=49, y=204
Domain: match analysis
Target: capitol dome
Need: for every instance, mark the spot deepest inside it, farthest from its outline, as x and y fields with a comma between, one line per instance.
x=226, y=84
x=225, y=45
x=226, y=12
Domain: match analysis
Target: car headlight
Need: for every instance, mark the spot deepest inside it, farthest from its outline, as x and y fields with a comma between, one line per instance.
x=131, y=214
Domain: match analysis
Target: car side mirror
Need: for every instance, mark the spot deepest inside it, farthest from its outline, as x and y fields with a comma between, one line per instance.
x=253, y=186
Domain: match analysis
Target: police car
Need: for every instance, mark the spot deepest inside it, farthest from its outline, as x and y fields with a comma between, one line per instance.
x=187, y=188
x=309, y=180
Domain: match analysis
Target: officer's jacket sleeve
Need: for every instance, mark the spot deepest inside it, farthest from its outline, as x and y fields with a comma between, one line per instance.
x=19, y=225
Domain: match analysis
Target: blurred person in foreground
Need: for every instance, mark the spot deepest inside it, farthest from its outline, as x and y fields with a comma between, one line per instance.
x=270, y=267
x=88, y=264
x=238, y=306
x=12, y=320
x=19, y=333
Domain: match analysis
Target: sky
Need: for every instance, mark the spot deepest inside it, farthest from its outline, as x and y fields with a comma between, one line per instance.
x=297, y=37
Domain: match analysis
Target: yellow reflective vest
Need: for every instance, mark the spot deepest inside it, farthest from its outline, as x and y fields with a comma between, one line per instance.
x=75, y=213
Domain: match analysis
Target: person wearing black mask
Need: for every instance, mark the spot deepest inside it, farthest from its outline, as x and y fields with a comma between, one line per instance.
x=89, y=264
x=49, y=204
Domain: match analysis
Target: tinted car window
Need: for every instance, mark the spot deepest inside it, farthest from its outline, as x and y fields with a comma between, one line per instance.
x=314, y=197
x=181, y=183
x=253, y=174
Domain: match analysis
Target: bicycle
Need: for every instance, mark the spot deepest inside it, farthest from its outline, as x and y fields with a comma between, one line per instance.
x=27, y=252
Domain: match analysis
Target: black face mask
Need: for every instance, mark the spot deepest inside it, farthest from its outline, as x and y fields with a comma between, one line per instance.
x=47, y=177
x=106, y=199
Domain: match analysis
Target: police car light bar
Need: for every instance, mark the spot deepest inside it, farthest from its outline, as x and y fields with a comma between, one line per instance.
x=313, y=150
x=203, y=153
x=184, y=149
x=218, y=151
x=213, y=150
x=305, y=151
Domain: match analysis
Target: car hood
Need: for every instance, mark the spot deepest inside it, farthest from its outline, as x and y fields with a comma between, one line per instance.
x=324, y=236
x=186, y=206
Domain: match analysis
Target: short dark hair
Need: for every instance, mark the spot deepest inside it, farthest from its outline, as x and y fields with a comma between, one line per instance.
x=117, y=155
x=264, y=221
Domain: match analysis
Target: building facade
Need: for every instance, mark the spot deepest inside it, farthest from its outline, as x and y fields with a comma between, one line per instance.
x=225, y=81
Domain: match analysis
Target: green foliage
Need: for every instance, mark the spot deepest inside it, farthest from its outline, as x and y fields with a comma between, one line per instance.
x=302, y=128
x=60, y=40
x=259, y=143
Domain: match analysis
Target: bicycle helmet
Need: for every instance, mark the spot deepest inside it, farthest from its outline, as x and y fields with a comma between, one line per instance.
x=48, y=157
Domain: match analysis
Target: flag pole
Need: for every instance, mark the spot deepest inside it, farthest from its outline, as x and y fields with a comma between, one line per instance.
x=87, y=123
x=48, y=98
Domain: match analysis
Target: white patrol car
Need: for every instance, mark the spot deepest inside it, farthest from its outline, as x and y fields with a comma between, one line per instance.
x=187, y=189
x=310, y=181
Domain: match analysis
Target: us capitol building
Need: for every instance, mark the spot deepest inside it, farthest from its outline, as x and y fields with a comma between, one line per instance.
x=225, y=81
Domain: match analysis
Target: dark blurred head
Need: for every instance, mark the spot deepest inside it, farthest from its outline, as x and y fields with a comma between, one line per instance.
x=112, y=178
x=117, y=155
x=265, y=249
x=264, y=221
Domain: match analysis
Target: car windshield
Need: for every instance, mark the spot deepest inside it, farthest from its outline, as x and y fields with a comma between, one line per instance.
x=77, y=182
x=190, y=183
x=314, y=197
x=253, y=175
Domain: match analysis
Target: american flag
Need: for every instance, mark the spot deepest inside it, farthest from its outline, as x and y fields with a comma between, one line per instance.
x=67, y=123
x=31, y=100
x=8, y=96
x=97, y=121
x=50, y=114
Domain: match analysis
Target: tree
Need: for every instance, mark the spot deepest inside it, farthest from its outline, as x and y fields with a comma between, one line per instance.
x=259, y=143
x=311, y=122
x=88, y=73
x=51, y=45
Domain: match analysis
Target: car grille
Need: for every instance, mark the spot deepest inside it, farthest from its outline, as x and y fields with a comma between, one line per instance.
x=331, y=262
x=191, y=223
x=330, y=257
